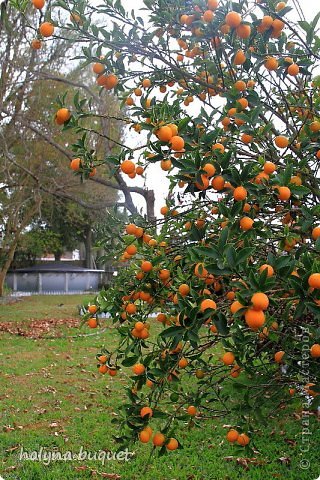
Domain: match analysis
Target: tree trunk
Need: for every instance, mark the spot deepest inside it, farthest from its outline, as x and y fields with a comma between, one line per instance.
x=88, y=245
x=6, y=266
x=150, y=199
x=57, y=256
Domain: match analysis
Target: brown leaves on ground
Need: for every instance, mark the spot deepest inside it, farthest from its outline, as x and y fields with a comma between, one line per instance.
x=39, y=328
x=245, y=462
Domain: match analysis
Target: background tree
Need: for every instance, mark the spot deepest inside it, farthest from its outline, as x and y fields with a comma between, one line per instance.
x=33, y=166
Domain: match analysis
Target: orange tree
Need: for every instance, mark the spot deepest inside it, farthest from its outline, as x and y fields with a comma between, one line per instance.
x=227, y=98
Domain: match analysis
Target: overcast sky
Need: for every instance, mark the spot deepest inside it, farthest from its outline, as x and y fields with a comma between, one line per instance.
x=156, y=178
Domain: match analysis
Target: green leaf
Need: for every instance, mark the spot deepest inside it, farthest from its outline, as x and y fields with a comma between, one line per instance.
x=244, y=254
x=175, y=331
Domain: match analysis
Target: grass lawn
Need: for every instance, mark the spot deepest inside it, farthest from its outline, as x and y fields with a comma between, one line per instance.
x=52, y=396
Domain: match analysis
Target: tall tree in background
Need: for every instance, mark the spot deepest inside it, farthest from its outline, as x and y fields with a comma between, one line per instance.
x=34, y=164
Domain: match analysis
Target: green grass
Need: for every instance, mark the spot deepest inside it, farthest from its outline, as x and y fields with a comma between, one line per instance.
x=52, y=396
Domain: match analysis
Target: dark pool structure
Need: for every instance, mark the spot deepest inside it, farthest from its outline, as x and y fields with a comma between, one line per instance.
x=57, y=278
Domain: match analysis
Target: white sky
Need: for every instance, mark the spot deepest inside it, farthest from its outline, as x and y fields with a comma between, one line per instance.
x=156, y=179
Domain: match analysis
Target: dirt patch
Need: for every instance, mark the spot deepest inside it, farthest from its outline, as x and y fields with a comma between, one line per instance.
x=40, y=328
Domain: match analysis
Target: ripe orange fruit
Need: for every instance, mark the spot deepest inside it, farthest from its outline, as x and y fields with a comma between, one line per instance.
x=270, y=270
x=146, y=411
x=92, y=322
x=98, y=68
x=260, y=301
x=103, y=369
x=314, y=280
x=281, y=141
x=208, y=16
x=184, y=289
x=246, y=138
x=191, y=410
x=103, y=359
x=131, y=249
x=46, y=29
x=131, y=309
x=204, y=183
x=131, y=229
x=164, y=210
x=164, y=274
x=62, y=116
x=183, y=363
x=243, y=31
x=240, y=193
x=254, y=318
x=139, y=170
x=277, y=26
x=38, y=4
x=177, y=143
x=278, y=356
x=92, y=309
x=232, y=435
x=266, y=22
x=146, y=83
x=158, y=439
x=209, y=169
x=280, y=6
x=75, y=164
x=240, y=85
x=230, y=295
x=235, y=371
x=315, y=126
x=235, y=306
x=269, y=167
x=166, y=165
x=246, y=223
x=36, y=44
x=146, y=266
x=315, y=233
x=271, y=64
x=243, y=439
x=138, y=369
x=293, y=69
x=315, y=350
x=164, y=133
x=144, y=436
x=218, y=183
x=284, y=193
x=239, y=58
x=228, y=358
x=233, y=19
x=219, y=147
x=172, y=444
x=207, y=303
x=213, y=4
x=139, y=326
x=111, y=81
x=127, y=166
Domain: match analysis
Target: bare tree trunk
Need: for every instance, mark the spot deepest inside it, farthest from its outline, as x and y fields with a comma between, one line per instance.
x=150, y=200
x=6, y=266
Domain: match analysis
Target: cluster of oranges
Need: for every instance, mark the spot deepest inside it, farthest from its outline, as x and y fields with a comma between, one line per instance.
x=234, y=260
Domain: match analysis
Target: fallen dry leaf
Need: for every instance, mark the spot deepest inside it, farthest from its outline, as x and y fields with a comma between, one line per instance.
x=285, y=460
x=39, y=328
